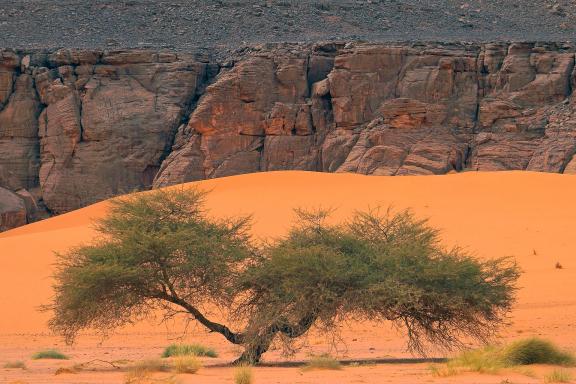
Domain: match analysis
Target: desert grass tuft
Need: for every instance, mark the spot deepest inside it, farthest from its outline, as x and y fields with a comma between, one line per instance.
x=243, y=375
x=187, y=364
x=50, y=354
x=15, y=365
x=558, y=376
x=536, y=351
x=65, y=370
x=150, y=365
x=484, y=360
x=444, y=370
x=142, y=372
x=189, y=350
x=324, y=361
x=148, y=378
x=492, y=359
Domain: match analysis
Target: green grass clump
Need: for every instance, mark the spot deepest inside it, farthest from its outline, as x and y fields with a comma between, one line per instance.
x=187, y=364
x=558, y=376
x=492, y=359
x=535, y=351
x=49, y=354
x=243, y=375
x=323, y=361
x=188, y=350
x=15, y=365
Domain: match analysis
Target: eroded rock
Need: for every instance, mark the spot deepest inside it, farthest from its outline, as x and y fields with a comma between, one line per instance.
x=78, y=126
x=12, y=210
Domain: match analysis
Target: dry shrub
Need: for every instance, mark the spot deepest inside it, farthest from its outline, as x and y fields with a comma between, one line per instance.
x=324, y=361
x=558, y=376
x=142, y=372
x=65, y=370
x=243, y=375
x=15, y=365
x=187, y=364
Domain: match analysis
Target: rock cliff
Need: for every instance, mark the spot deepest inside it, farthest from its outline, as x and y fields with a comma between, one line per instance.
x=78, y=126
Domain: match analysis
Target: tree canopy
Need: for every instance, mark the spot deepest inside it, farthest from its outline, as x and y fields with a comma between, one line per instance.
x=160, y=252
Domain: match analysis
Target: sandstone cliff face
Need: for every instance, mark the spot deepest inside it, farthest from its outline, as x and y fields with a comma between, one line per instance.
x=80, y=126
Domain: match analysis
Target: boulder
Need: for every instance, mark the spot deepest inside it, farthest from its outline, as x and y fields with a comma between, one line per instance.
x=12, y=210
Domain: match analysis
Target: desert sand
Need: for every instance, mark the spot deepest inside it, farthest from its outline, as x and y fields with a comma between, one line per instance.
x=529, y=216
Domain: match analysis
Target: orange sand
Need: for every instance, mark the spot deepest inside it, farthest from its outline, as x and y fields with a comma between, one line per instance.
x=530, y=216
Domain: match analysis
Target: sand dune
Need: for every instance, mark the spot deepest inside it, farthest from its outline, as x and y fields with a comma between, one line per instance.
x=530, y=216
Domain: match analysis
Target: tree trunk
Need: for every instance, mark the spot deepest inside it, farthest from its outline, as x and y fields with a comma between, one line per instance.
x=253, y=352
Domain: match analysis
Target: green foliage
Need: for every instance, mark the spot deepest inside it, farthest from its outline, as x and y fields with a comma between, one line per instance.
x=15, y=365
x=187, y=364
x=323, y=361
x=243, y=375
x=558, y=376
x=49, y=354
x=152, y=245
x=189, y=349
x=377, y=266
x=160, y=250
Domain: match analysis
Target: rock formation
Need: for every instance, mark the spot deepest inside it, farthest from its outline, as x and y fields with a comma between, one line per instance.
x=78, y=126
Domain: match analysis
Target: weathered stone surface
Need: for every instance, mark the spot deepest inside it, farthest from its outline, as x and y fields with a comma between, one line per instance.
x=9, y=61
x=12, y=210
x=107, y=127
x=263, y=114
x=78, y=126
x=19, y=160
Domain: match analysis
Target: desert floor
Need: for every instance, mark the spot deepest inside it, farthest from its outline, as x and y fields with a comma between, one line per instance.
x=529, y=216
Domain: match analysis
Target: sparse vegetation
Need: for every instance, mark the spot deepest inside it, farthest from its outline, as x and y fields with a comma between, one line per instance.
x=558, y=376
x=66, y=370
x=142, y=372
x=535, y=351
x=189, y=350
x=143, y=377
x=150, y=365
x=187, y=364
x=445, y=370
x=160, y=248
x=49, y=354
x=492, y=359
x=243, y=375
x=15, y=365
x=323, y=361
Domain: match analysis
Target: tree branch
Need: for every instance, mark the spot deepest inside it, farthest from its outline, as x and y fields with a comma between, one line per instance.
x=233, y=337
x=299, y=329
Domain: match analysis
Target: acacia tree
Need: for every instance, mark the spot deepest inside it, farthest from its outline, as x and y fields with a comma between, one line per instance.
x=161, y=252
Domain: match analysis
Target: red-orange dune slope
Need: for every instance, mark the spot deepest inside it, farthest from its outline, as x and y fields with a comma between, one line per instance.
x=530, y=216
